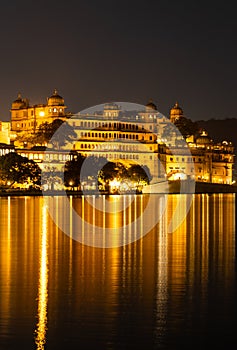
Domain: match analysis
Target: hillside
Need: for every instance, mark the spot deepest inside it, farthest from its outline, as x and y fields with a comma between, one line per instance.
x=220, y=130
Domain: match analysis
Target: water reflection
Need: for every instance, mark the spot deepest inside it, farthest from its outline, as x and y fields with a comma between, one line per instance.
x=106, y=221
x=159, y=291
x=41, y=328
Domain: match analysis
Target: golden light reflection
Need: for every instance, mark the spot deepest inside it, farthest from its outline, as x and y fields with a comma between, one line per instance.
x=41, y=327
x=5, y=261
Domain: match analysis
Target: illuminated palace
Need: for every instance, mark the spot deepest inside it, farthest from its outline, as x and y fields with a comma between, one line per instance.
x=27, y=118
x=135, y=137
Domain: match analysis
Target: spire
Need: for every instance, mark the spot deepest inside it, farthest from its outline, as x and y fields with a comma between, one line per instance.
x=151, y=105
x=176, y=104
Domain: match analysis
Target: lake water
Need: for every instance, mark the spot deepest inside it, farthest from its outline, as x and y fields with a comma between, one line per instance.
x=163, y=290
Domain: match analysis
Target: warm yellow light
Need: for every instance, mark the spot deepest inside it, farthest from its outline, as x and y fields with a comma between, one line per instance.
x=41, y=113
x=41, y=327
x=114, y=183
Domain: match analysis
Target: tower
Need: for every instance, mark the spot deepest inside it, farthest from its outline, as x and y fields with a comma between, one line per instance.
x=176, y=113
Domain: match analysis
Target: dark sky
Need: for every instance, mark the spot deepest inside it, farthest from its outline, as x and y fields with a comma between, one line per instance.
x=99, y=51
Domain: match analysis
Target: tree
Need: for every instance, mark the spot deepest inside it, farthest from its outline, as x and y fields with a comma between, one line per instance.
x=186, y=127
x=92, y=166
x=25, y=139
x=139, y=174
x=51, y=132
x=111, y=171
x=17, y=169
x=72, y=171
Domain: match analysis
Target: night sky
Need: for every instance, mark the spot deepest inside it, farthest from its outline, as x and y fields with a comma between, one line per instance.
x=99, y=51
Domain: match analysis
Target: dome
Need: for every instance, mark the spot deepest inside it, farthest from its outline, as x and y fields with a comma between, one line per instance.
x=151, y=105
x=111, y=106
x=55, y=99
x=176, y=110
x=19, y=102
x=203, y=138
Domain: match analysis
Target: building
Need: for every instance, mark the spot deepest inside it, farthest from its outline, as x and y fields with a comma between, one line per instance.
x=145, y=137
x=176, y=113
x=26, y=118
x=119, y=136
x=208, y=162
x=5, y=149
x=5, y=132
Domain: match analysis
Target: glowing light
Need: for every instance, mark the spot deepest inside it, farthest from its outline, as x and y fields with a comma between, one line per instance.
x=114, y=185
x=41, y=327
x=178, y=176
x=41, y=114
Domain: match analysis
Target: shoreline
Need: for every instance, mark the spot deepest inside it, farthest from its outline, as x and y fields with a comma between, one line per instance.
x=174, y=188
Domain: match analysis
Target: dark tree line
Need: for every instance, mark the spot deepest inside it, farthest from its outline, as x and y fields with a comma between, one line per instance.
x=55, y=134
x=15, y=169
x=103, y=172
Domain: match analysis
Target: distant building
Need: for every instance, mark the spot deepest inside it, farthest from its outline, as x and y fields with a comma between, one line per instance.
x=5, y=132
x=209, y=162
x=5, y=149
x=176, y=113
